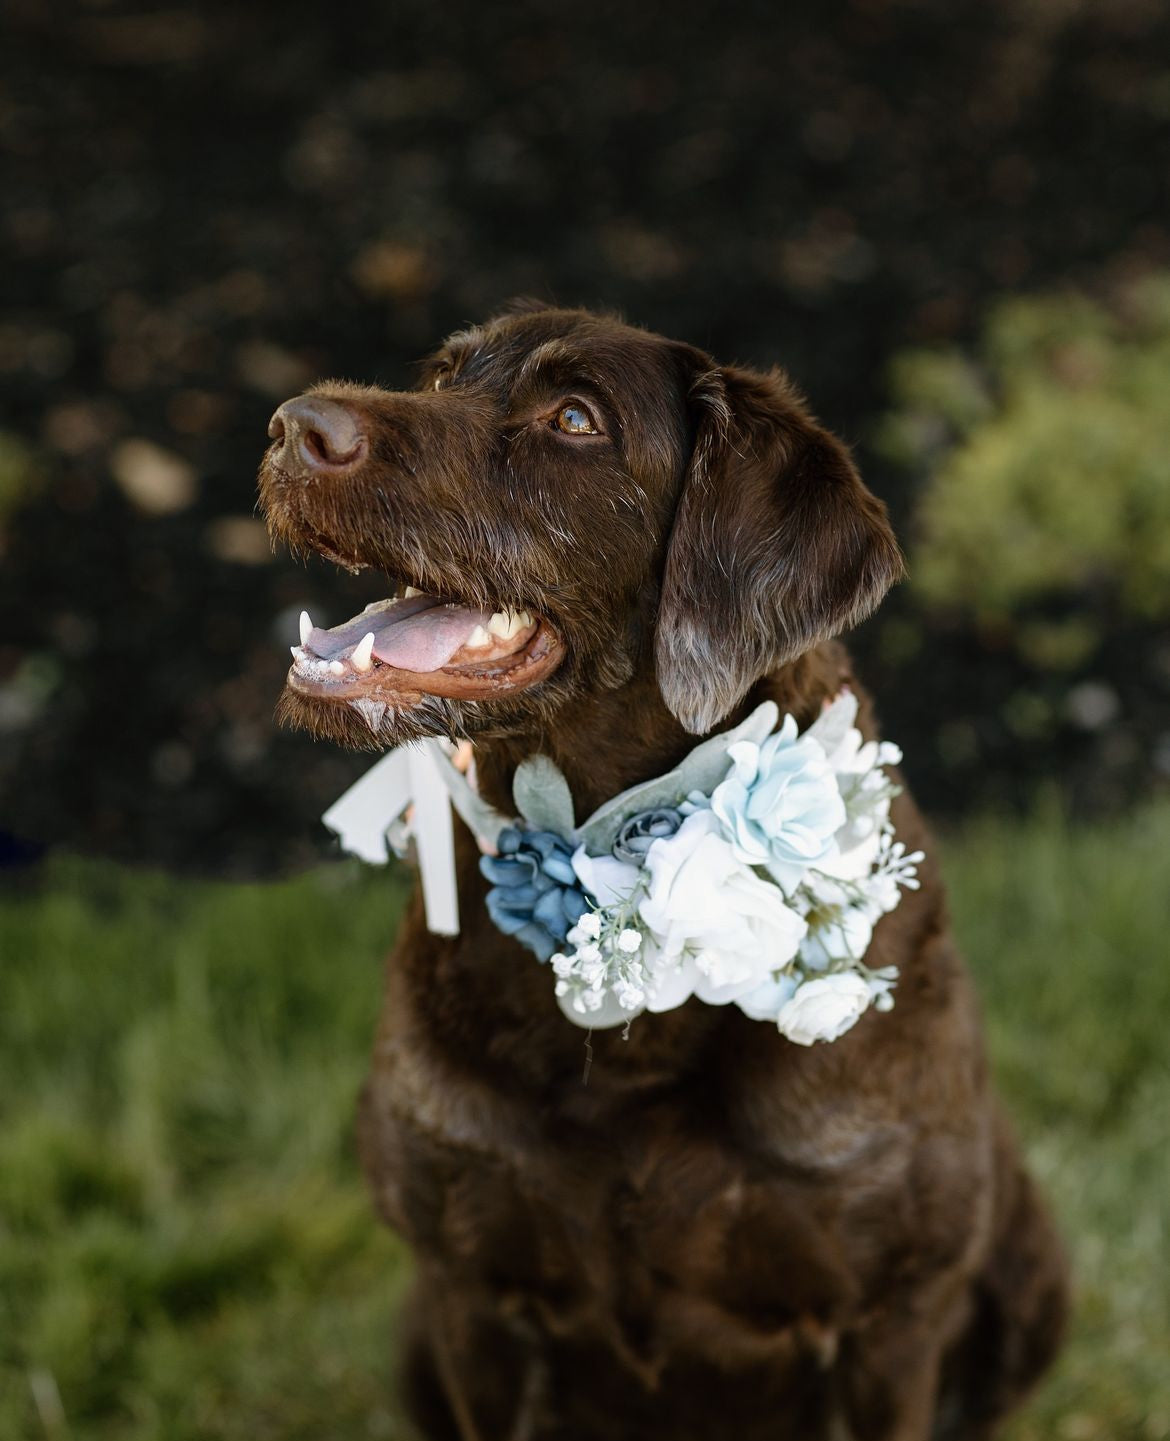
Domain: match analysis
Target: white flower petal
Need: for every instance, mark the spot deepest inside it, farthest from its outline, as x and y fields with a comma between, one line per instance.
x=606, y=878
x=764, y=1002
x=609, y=1013
x=670, y=984
x=700, y=896
x=824, y=1009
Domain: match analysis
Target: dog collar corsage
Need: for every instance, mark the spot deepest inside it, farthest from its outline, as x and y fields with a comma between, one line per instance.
x=752, y=873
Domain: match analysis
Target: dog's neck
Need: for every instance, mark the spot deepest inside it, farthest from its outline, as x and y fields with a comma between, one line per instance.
x=602, y=746
x=472, y=981
x=609, y=742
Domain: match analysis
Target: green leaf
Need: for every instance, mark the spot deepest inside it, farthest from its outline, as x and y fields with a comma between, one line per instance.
x=542, y=796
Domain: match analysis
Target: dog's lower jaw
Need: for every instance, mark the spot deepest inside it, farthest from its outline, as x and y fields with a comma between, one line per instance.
x=387, y=720
x=364, y=726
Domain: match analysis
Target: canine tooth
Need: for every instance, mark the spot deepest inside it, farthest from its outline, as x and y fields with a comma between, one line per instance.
x=362, y=655
x=306, y=627
x=336, y=667
x=409, y=591
x=478, y=638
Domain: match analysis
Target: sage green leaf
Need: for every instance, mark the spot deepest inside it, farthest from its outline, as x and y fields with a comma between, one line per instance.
x=702, y=770
x=481, y=818
x=543, y=797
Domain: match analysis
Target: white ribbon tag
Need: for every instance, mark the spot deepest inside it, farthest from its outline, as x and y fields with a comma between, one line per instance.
x=434, y=837
x=361, y=817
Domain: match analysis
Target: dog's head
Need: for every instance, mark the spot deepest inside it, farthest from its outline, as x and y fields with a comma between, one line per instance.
x=566, y=502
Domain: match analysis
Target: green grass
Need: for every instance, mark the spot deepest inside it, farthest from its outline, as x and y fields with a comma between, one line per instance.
x=186, y=1248
x=1069, y=936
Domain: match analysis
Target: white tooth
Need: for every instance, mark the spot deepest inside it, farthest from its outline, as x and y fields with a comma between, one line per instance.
x=336, y=667
x=409, y=591
x=478, y=638
x=306, y=627
x=498, y=625
x=362, y=655
x=516, y=623
x=296, y=652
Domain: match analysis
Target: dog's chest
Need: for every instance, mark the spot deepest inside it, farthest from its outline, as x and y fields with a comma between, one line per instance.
x=646, y=1216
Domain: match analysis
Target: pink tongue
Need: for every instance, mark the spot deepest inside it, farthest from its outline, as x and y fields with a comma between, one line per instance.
x=428, y=640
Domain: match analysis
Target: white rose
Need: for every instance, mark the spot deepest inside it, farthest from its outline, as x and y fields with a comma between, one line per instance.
x=702, y=900
x=823, y=1009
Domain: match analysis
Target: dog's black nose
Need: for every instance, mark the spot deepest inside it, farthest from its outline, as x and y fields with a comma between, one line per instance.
x=316, y=436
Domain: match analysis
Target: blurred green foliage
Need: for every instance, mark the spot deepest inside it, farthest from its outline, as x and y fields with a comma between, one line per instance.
x=188, y=1252
x=18, y=475
x=1044, y=460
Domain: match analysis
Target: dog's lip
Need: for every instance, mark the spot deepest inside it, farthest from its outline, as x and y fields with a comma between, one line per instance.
x=539, y=655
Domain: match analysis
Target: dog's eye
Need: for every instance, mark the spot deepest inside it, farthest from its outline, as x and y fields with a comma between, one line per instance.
x=441, y=377
x=574, y=419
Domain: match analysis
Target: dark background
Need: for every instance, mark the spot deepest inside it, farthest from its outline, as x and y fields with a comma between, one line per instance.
x=206, y=208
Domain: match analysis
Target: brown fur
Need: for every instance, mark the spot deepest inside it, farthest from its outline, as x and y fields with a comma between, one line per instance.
x=719, y=1234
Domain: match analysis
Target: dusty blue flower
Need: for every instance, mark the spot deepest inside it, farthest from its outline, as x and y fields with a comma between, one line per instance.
x=641, y=831
x=535, y=895
x=780, y=806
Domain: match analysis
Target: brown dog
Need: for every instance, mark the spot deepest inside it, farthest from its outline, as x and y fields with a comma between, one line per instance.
x=721, y=1234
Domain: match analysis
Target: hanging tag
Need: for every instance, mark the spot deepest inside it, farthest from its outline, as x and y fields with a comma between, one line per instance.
x=362, y=816
x=434, y=838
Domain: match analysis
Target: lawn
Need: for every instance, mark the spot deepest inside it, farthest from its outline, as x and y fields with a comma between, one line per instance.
x=186, y=1248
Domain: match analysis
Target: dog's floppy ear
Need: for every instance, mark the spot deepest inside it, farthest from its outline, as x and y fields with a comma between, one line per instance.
x=776, y=545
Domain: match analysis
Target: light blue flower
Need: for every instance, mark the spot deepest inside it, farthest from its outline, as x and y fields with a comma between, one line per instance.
x=535, y=894
x=780, y=806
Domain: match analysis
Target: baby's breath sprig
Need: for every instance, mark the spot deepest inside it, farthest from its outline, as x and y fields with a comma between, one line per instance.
x=608, y=955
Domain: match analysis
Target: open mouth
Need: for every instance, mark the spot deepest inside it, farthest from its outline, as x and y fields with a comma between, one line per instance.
x=417, y=644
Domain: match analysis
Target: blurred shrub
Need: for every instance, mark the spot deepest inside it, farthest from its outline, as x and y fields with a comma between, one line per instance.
x=1045, y=457
x=1033, y=634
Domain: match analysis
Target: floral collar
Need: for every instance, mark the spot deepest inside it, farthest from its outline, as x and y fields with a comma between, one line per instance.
x=751, y=874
